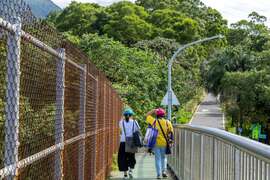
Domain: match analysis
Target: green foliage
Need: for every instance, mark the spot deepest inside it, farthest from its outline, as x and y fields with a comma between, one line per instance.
x=114, y=166
x=173, y=24
x=2, y=95
x=162, y=46
x=78, y=18
x=129, y=29
x=132, y=43
x=139, y=73
x=214, y=23
x=129, y=23
x=249, y=90
x=240, y=73
x=134, y=72
x=184, y=115
x=152, y=5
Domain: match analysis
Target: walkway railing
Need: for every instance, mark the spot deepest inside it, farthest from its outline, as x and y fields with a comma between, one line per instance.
x=211, y=154
x=58, y=113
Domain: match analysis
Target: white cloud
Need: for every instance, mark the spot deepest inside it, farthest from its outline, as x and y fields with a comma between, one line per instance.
x=233, y=10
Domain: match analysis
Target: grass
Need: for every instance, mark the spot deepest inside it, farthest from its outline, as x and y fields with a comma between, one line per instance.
x=185, y=114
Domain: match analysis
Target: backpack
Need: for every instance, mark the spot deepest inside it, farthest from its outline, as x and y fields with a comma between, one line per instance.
x=151, y=136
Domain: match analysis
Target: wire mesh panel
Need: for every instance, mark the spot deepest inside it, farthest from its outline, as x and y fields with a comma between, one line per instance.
x=100, y=143
x=2, y=96
x=61, y=117
x=91, y=118
x=42, y=169
x=38, y=98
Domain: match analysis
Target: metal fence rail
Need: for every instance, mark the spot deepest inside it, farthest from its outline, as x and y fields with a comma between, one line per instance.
x=202, y=153
x=61, y=114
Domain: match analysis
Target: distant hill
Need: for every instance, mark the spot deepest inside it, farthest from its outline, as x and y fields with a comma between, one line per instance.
x=42, y=8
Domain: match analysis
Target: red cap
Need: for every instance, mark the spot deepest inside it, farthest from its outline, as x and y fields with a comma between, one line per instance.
x=160, y=112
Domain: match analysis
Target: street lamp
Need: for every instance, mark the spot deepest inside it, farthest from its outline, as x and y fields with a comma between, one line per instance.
x=181, y=48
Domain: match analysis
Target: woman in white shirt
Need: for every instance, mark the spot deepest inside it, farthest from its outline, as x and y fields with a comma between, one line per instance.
x=126, y=160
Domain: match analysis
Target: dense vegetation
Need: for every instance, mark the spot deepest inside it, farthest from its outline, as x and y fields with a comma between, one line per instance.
x=132, y=43
x=240, y=72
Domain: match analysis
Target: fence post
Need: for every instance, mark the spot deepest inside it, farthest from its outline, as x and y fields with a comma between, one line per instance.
x=12, y=100
x=59, y=116
x=81, y=155
x=96, y=124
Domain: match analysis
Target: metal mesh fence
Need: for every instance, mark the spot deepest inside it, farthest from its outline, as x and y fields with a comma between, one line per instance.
x=58, y=113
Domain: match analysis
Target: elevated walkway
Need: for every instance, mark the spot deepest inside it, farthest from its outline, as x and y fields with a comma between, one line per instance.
x=144, y=170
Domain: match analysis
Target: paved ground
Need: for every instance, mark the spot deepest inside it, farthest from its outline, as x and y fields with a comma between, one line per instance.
x=209, y=113
x=144, y=170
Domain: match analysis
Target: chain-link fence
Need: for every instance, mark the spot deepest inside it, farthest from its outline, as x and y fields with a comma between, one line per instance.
x=58, y=113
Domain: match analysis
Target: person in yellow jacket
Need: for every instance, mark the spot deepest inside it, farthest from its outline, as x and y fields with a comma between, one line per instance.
x=156, y=118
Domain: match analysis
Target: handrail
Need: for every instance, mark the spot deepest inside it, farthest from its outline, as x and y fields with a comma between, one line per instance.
x=241, y=142
x=213, y=154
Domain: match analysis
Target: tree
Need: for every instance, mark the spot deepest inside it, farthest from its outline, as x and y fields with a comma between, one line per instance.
x=214, y=23
x=253, y=33
x=128, y=23
x=152, y=5
x=162, y=46
x=248, y=90
x=133, y=72
x=232, y=59
x=129, y=29
x=174, y=25
x=78, y=18
x=186, y=75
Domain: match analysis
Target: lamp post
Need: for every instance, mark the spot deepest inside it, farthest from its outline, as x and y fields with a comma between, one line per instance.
x=181, y=48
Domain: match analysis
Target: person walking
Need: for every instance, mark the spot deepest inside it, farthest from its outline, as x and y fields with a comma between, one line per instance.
x=126, y=160
x=156, y=118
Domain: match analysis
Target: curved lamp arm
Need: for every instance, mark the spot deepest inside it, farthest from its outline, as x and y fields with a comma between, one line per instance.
x=181, y=48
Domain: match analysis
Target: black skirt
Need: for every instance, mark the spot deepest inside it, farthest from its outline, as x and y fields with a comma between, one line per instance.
x=125, y=160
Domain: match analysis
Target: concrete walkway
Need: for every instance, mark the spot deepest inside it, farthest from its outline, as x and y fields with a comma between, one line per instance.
x=209, y=114
x=144, y=169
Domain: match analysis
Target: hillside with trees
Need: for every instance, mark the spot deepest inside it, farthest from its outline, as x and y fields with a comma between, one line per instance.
x=42, y=8
x=132, y=42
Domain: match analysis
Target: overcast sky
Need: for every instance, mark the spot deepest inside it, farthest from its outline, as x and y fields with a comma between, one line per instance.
x=232, y=10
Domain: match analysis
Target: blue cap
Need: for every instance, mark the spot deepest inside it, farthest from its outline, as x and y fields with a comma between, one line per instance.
x=128, y=111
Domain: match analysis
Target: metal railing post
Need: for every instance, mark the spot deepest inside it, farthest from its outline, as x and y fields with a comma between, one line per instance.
x=59, y=119
x=12, y=100
x=202, y=159
x=191, y=175
x=81, y=154
x=237, y=164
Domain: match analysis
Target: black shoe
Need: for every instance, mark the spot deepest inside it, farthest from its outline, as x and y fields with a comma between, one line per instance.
x=125, y=176
x=158, y=177
x=164, y=175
